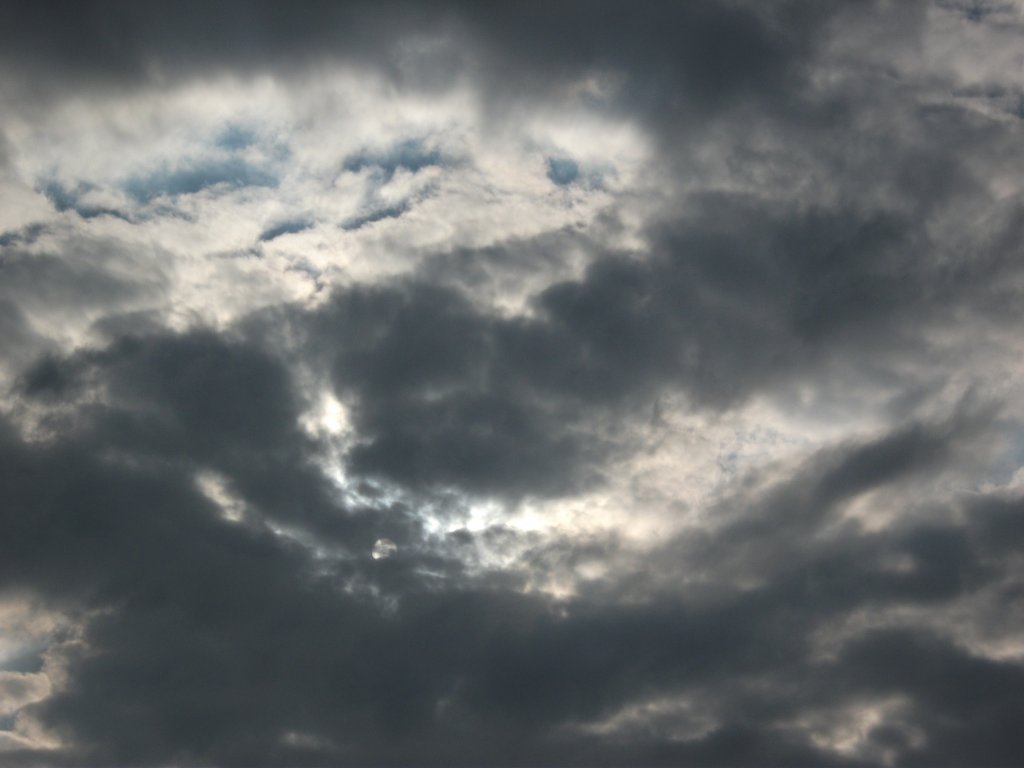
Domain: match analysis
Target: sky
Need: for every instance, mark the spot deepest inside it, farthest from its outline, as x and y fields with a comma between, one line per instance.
x=542, y=385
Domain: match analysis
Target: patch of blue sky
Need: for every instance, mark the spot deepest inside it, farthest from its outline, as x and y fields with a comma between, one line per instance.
x=27, y=660
x=71, y=199
x=230, y=173
x=250, y=141
x=412, y=155
x=291, y=227
x=377, y=214
x=565, y=172
x=24, y=236
x=236, y=137
x=375, y=209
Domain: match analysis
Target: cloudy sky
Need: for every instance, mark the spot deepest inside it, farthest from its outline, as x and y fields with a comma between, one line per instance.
x=541, y=384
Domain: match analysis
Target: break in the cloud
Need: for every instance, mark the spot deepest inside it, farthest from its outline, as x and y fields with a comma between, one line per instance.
x=552, y=384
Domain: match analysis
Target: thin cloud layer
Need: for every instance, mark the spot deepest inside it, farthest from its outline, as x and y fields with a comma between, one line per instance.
x=557, y=384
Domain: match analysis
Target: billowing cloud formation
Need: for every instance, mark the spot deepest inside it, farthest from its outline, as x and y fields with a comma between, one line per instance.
x=554, y=384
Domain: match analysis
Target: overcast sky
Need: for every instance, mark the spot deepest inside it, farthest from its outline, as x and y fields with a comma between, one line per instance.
x=543, y=384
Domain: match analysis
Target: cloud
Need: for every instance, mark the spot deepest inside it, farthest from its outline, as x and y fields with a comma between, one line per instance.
x=485, y=666
x=573, y=384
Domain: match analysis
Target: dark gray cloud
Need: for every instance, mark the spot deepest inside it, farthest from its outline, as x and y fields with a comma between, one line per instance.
x=203, y=402
x=224, y=642
x=824, y=235
x=739, y=298
x=123, y=44
x=65, y=283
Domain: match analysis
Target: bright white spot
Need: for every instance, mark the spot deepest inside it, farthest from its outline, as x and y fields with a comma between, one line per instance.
x=328, y=418
x=383, y=549
x=215, y=487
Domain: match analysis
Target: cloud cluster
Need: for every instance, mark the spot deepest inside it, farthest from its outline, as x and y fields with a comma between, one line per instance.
x=554, y=384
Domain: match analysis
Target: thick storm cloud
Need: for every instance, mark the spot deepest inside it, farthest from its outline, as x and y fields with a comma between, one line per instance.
x=556, y=384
